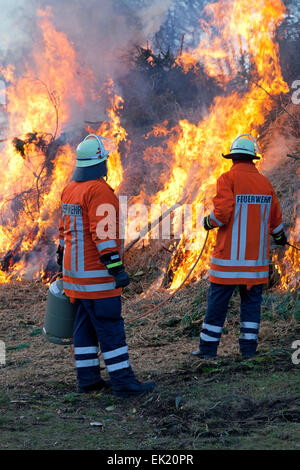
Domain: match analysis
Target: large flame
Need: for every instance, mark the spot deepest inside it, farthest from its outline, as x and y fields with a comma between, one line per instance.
x=244, y=29
x=113, y=129
x=238, y=36
x=34, y=167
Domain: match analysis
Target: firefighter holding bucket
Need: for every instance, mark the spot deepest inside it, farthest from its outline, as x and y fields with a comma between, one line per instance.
x=93, y=273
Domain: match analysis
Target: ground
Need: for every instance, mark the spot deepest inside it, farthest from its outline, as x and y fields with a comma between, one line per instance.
x=227, y=403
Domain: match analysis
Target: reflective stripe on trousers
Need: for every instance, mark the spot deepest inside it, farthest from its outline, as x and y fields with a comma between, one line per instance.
x=100, y=322
x=217, y=305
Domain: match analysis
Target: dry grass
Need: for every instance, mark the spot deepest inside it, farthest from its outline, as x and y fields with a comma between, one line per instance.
x=158, y=343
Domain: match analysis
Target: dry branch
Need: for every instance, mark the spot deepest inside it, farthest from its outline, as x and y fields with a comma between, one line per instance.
x=271, y=96
x=181, y=45
x=295, y=157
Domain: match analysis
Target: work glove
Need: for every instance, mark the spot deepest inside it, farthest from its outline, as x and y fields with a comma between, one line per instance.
x=59, y=255
x=206, y=223
x=122, y=279
x=280, y=239
x=115, y=267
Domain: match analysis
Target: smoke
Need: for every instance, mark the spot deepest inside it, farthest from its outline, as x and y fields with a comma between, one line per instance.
x=101, y=32
x=98, y=32
x=280, y=141
x=153, y=16
x=15, y=24
x=276, y=150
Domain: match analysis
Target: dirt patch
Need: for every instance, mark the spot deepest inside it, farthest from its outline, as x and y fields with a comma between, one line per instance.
x=196, y=403
x=232, y=415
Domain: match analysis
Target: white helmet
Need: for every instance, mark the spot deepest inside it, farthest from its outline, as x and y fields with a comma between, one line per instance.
x=244, y=146
x=91, y=151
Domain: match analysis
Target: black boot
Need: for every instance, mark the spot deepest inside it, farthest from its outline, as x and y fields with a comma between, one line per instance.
x=134, y=388
x=101, y=385
x=247, y=348
x=199, y=355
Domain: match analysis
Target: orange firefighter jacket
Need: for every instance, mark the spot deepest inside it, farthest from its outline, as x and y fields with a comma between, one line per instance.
x=247, y=211
x=89, y=228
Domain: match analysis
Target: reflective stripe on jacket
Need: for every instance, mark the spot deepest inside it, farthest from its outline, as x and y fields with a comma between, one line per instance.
x=88, y=209
x=246, y=210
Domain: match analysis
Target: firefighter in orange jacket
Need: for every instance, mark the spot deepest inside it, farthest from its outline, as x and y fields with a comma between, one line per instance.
x=246, y=212
x=90, y=252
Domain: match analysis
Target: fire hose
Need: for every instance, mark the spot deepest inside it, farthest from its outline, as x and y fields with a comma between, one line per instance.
x=293, y=246
x=161, y=304
x=164, y=302
x=157, y=307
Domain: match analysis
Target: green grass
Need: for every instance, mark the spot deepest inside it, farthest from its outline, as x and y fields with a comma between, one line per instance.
x=222, y=404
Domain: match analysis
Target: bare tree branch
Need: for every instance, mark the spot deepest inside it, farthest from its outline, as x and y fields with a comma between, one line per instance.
x=295, y=157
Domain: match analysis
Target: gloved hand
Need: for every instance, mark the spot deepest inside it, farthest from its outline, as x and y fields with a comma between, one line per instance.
x=122, y=279
x=280, y=239
x=115, y=267
x=60, y=254
x=206, y=223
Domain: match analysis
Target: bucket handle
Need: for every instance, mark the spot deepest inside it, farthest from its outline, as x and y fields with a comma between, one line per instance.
x=55, y=340
x=55, y=276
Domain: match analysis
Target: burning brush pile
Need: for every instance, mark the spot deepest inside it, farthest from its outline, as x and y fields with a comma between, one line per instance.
x=170, y=115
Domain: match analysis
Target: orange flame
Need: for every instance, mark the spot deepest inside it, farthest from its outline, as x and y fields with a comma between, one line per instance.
x=41, y=103
x=248, y=27
x=113, y=129
x=43, y=100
